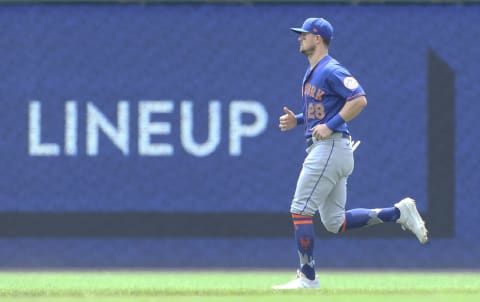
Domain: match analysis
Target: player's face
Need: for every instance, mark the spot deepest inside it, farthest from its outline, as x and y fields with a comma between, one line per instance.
x=307, y=43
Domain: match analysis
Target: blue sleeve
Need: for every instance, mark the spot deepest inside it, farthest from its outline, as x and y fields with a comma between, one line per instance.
x=300, y=119
x=344, y=84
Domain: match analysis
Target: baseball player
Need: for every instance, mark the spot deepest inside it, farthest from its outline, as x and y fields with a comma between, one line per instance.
x=331, y=97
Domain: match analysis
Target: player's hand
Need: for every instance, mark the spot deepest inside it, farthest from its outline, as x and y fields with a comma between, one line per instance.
x=288, y=120
x=321, y=132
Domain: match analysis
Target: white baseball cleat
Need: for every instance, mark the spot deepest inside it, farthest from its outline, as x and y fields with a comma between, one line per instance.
x=299, y=282
x=410, y=219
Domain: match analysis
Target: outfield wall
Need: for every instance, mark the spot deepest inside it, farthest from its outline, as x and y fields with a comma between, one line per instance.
x=146, y=135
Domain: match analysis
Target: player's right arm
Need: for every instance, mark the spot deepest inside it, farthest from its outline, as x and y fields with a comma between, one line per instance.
x=289, y=120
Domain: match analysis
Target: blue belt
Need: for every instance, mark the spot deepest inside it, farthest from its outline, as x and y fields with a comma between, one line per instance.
x=310, y=140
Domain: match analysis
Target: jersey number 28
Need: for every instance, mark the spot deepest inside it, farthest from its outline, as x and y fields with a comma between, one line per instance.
x=316, y=111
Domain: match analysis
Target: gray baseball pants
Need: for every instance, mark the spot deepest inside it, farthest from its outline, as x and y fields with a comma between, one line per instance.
x=322, y=184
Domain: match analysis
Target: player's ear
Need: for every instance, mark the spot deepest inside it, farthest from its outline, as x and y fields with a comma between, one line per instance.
x=325, y=43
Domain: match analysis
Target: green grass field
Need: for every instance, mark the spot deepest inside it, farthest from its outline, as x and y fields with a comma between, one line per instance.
x=218, y=286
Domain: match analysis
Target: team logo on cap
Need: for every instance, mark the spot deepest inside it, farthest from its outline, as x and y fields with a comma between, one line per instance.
x=350, y=83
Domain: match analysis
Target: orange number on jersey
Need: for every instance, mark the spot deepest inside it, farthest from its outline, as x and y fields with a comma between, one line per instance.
x=316, y=111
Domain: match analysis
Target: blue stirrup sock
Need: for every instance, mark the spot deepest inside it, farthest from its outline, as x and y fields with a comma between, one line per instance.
x=305, y=237
x=357, y=218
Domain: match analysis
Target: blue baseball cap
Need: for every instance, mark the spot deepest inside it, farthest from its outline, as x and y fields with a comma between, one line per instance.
x=316, y=26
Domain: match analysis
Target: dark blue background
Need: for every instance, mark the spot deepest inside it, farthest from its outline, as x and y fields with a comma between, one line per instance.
x=108, y=53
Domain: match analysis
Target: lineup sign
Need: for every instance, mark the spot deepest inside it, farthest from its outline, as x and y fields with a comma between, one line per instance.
x=119, y=130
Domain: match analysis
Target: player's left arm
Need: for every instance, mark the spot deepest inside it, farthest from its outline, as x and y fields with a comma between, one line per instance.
x=352, y=108
x=348, y=112
x=346, y=86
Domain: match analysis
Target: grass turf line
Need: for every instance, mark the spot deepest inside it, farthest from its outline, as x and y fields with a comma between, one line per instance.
x=228, y=286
